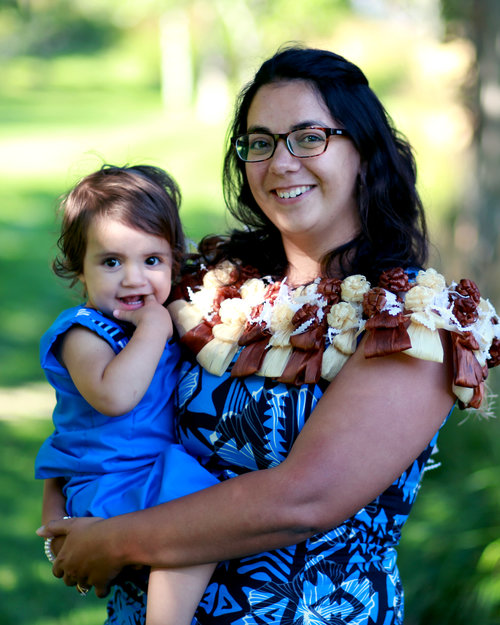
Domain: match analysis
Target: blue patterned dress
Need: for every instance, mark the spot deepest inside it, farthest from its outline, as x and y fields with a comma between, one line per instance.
x=345, y=576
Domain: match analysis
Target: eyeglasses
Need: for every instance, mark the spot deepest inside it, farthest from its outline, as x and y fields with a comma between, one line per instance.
x=303, y=143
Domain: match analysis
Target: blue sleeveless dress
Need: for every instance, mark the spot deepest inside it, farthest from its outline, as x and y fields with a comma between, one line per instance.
x=114, y=465
x=344, y=576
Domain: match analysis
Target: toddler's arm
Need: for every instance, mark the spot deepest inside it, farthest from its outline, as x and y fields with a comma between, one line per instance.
x=115, y=383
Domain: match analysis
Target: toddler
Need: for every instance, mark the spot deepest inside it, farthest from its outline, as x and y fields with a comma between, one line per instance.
x=113, y=364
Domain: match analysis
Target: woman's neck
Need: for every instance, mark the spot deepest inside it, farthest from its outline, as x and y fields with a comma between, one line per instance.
x=305, y=266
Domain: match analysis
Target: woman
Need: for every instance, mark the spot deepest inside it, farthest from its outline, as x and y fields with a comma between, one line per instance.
x=312, y=441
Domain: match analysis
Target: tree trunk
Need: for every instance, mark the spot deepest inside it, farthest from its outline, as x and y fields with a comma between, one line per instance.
x=485, y=196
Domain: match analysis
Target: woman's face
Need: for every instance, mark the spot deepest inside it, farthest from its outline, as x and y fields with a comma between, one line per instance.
x=312, y=201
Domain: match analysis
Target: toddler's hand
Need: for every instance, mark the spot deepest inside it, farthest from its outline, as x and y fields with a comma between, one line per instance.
x=151, y=313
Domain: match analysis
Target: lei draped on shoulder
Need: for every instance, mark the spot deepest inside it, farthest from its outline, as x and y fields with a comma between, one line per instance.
x=299, y=335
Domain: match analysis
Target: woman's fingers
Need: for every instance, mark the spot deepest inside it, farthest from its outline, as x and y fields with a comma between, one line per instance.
x=80, y=562
x=60, y=527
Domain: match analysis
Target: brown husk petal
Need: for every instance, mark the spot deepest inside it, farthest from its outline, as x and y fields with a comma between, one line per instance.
x=374, y=301
x=330, y=289
x=395, y=280
x=494, y=359
x=386, y=334
x=198, y=337
x=303, y=367
x=468, y=288
x=254, y=340
x=466, y=369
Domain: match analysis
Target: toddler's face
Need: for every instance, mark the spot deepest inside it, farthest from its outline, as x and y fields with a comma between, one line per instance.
x=122, y=265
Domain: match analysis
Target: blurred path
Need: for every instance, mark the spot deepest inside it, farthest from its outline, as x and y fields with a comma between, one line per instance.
x=32, y=400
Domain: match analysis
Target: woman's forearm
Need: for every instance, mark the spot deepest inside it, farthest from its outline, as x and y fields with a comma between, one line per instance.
x=247, y=521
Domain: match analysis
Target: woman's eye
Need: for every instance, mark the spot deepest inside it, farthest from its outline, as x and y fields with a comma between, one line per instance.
x=311, y=139
x=111, y=262
x=260, y=144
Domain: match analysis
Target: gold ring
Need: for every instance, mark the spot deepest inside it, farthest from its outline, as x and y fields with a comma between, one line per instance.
x=83, y=590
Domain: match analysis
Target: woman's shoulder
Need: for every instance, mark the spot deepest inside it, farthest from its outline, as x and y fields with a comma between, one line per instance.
x=233, y=317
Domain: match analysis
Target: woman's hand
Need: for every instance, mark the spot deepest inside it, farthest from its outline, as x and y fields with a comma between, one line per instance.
x=78, y=560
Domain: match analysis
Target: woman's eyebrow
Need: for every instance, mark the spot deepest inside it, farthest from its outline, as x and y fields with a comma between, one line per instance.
x=298, y=126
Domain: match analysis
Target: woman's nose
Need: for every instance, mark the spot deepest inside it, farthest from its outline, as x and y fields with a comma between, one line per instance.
x=283, y=159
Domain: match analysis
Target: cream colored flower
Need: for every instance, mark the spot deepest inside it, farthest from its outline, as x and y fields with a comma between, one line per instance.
x=354, y=287
x=219, y=276
x=203, y=300
x=418, y=298
x=281, y=324
x=431, y=279
x=342, y=316
x=305, y=293
x=253, y=291
x=233, y=311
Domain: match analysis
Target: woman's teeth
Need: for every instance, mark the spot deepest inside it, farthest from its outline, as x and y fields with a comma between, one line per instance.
x=292, y=192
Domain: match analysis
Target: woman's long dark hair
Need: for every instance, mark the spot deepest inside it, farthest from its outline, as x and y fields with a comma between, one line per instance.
x=393, y=230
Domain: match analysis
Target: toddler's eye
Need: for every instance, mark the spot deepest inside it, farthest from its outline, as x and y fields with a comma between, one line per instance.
x=111, y=262
x=152, y=260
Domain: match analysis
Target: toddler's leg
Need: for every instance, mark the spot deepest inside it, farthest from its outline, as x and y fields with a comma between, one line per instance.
x=174, y=594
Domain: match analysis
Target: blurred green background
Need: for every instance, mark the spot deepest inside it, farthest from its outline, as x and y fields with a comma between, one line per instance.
x=86, y=81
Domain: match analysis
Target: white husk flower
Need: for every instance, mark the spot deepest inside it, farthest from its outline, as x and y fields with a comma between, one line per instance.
x=281, y=324
x=343, y=316
x=252, y=291
x=431, y=279
x=354, y=287
x=219, y=276
x=419, y=298
x=203, y=300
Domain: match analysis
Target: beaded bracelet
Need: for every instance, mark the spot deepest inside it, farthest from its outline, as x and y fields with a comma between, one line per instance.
x=47, y=546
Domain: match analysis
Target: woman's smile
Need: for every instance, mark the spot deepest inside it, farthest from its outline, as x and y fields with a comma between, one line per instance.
x=292, y=192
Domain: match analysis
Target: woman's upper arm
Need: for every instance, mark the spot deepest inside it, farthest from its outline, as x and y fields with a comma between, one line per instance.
x=373, y=420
